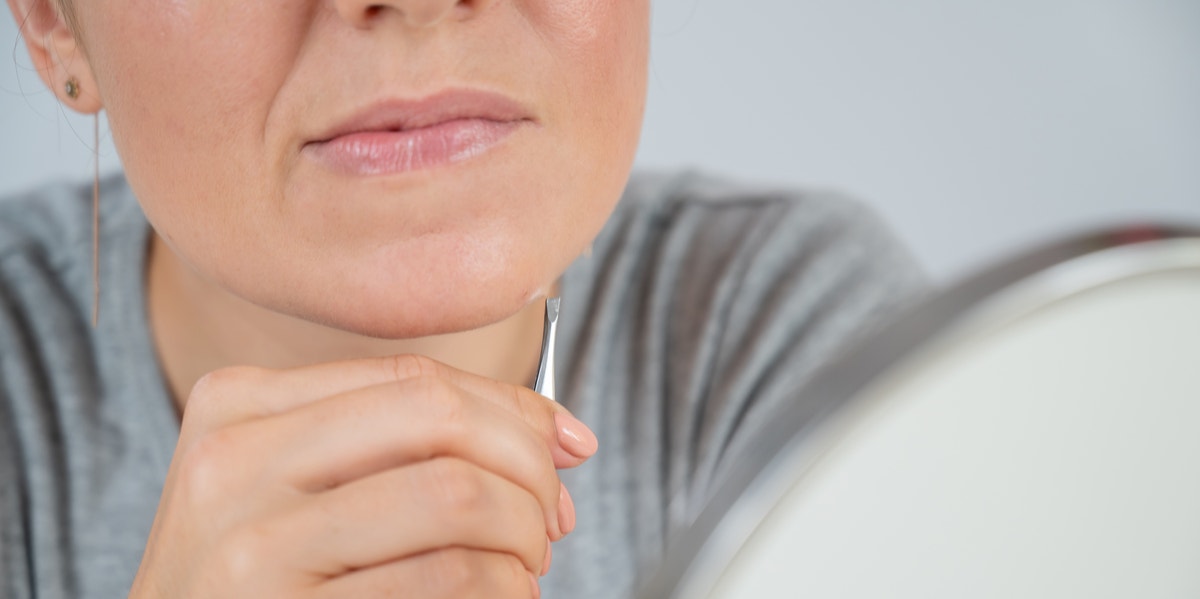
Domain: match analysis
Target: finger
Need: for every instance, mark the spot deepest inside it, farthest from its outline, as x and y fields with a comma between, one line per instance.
x=330, y=443
x=571, y=441
x=232, y=395
x=240, y=393
x=447, y=573
x=408, y=511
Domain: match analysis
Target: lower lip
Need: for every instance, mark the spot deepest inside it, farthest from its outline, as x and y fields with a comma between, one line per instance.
x=392, y=152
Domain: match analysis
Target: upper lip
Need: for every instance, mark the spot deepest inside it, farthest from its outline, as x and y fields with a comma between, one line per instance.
x=403, y=114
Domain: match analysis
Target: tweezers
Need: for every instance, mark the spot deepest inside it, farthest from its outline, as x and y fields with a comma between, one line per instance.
x=544, y=383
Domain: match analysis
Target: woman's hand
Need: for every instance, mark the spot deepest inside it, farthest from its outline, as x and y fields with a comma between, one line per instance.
x=370, y=478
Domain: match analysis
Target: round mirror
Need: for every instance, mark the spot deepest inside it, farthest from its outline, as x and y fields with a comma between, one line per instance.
x=1032, y=432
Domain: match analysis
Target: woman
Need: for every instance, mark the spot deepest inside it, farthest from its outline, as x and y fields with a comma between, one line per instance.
x=323, y=273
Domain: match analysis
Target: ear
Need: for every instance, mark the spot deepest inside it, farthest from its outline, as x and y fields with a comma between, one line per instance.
x=57, y=52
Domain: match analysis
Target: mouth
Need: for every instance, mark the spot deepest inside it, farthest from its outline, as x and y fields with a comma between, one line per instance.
x=398, y=136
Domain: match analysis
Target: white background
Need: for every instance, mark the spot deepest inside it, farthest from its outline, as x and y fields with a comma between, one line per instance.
x=976, y=128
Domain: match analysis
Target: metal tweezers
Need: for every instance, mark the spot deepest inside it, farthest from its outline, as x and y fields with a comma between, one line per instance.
x=544, y=383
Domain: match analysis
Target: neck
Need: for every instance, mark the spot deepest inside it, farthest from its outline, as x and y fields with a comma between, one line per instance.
x=199, y=327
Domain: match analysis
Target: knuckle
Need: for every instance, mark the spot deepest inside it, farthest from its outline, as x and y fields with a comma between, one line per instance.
x=537, y=464
x=530, y=411
x=408, y=366
x=223, y=379
x=446, y=404
x=458, y=572
x=206, y=394
x=537, y=446
x=511, y=566
x=452, y=409
x=534, y=513
x=204, y=467
x=538, y=415
x=455, y=486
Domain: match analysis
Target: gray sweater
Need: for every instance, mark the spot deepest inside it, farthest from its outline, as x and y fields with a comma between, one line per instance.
x=703, y=307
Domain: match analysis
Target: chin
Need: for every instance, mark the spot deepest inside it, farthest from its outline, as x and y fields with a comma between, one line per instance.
x=459, y=275
x=396, y=312
x=388, y=322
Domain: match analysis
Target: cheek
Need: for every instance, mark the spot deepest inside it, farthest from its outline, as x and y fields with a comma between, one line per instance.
x=601, y=55
x=603, y=37
x=604, y=52
x=581, y=21
x=187, y=87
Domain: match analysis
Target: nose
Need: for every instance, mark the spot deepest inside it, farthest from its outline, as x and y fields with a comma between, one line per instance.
x=415, y=13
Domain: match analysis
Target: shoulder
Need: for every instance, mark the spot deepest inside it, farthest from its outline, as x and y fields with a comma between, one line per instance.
x=46, y=280
x=46, y=237
x=722, y=298
x=717, y=236
x=721, y=219
x=53, y=219
x=46, y=257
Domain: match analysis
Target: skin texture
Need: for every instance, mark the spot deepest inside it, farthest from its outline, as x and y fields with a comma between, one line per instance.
x=298, y=296
x=211, y=104
x=321, y=482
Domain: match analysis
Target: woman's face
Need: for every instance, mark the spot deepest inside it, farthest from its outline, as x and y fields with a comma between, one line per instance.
x=394, y=168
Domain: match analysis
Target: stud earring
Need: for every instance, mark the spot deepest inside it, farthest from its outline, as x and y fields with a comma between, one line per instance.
x=72, y=88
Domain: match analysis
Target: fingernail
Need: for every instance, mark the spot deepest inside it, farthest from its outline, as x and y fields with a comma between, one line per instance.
x=574, y=436
x=535, y=587
x=549, y=554
x=566, y=510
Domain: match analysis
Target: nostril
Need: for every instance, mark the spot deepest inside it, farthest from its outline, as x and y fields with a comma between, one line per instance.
x=415, y=13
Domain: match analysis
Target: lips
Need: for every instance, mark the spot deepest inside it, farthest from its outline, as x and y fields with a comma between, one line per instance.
x=398, y=136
